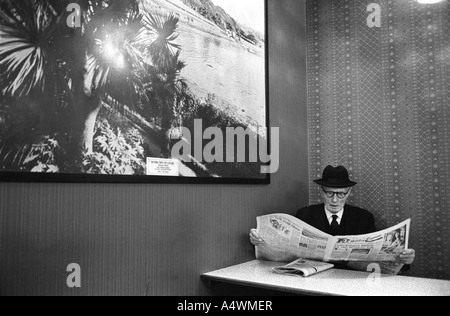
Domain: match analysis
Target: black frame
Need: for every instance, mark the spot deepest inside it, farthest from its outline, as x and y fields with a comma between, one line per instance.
x=8, y=176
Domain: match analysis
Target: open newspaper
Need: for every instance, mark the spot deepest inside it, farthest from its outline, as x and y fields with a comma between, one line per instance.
x=303, y=267
x=287, y=238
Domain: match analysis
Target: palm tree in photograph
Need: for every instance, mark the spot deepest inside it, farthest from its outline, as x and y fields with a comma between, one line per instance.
x=67, y=74
x=167, y=67
x=68, y=71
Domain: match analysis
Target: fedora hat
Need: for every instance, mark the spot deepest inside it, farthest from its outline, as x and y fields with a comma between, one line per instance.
x=335, y=177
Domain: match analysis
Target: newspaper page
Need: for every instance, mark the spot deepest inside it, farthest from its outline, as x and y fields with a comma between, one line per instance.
x=288, y=238
x=383, y=245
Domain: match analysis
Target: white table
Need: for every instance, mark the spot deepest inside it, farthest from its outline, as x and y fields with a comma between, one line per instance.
x=331, y=282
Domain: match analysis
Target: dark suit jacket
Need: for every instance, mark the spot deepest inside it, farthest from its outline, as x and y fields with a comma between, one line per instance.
x=355, y=221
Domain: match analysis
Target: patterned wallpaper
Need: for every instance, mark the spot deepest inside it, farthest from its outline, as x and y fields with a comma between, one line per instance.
x=379, y=103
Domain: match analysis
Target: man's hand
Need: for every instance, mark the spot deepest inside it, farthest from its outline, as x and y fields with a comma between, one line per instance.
x=255, y=238
x=407, y=256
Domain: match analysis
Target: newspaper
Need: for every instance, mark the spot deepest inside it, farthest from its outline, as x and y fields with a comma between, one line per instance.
x=287, y=238
x=303, y=267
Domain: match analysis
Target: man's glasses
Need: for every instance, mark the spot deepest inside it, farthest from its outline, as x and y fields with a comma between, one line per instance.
x=340, y=195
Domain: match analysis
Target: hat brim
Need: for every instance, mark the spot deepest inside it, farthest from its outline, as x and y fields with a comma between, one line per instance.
x=335, y=185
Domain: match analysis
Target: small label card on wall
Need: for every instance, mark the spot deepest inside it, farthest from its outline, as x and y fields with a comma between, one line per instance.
x=163, y=167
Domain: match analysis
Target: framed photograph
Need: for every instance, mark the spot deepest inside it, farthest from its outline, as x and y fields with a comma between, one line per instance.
x=134, y=91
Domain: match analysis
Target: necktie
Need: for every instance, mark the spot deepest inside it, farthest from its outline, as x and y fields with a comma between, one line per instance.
x=334, y=225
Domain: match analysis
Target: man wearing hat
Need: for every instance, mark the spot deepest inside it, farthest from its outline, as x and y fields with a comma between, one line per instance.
x=335, y=188
x=334, y=216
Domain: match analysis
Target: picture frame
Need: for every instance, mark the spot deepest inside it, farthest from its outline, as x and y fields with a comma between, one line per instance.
x=152, y=91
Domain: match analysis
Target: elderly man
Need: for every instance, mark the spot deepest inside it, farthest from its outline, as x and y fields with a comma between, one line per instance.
x=334, y=216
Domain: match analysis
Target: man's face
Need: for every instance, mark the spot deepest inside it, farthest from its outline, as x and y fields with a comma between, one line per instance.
x=334, y=204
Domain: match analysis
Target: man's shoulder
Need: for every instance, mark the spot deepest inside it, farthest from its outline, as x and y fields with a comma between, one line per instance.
x=355, y=210
x=358, y=220
x=309, y=210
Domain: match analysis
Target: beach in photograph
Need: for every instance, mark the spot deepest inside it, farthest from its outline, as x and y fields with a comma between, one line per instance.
x=218, y=63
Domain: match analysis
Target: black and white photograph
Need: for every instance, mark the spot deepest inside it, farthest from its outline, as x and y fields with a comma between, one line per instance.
x=181, y=150
x=96, y=90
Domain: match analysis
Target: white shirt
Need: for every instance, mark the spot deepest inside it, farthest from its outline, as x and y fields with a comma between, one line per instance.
x=330, y=216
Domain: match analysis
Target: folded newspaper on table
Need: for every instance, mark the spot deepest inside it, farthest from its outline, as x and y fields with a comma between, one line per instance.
x=287, y=238
x=303, y=267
